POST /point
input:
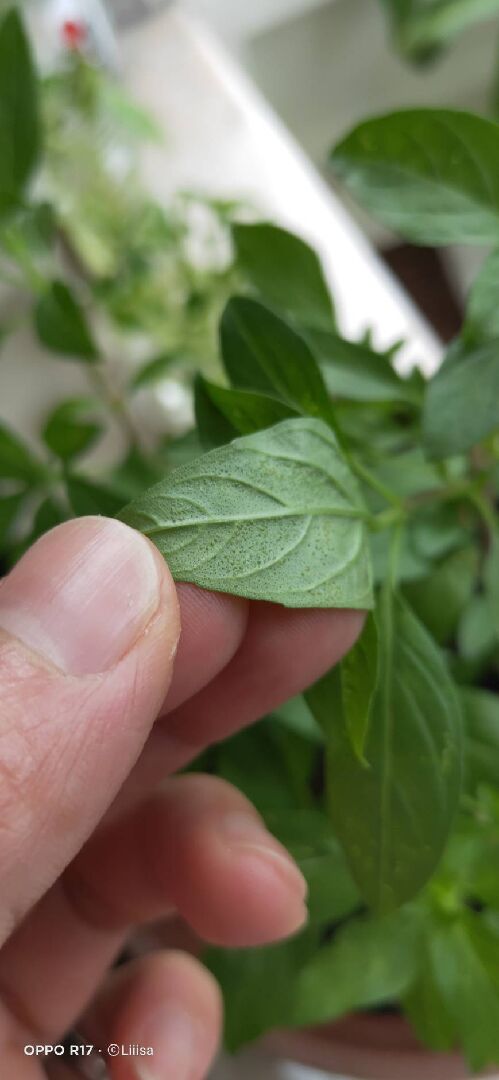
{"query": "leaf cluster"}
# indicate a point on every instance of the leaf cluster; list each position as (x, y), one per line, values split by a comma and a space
(405, 732)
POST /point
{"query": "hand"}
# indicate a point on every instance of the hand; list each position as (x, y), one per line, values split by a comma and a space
(97, 706)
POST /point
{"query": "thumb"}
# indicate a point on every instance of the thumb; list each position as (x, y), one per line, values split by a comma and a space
(89, 625)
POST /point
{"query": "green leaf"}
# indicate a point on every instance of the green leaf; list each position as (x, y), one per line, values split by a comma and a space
(462, 401)
(471, 864)
(135, 473)
(262, 352)
(359, 674)
(464, 954)
(427, 1012)
(91, 497)
(308, 836)
(369, 962)
(440, 598)
(436, 531)
(275, 515)
(481, 725)
(491, 579)
(393, 815)
(10, 506)
(70, 431)
(253, 762)
(223, 413)
(428, 25)
(212, 425)
(482, 313)
(48, 515)
(153, 371)
(476, 634)
(285, 271)
(356, 372)
(324, 700)
(19, 127)
(61, 324)
(412, 566)
(16, 459)
(258, 985)
(430, 174)
(296, 715)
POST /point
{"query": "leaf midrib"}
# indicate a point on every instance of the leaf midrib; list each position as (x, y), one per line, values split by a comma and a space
(275, 515)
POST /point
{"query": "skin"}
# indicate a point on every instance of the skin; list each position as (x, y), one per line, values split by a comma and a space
(111, 678)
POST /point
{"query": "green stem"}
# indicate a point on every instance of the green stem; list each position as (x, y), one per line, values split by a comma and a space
(387, 519)
(484, 508)
(114, 403)
(394, 557)
(376, 485)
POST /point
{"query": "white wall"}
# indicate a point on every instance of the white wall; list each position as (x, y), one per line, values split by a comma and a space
(237, 20)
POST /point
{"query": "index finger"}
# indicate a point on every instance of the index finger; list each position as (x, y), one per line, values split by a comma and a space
(279, 654)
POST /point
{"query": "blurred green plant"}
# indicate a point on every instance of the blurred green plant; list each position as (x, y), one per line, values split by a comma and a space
(422, 30)
(109, 279)
(422, 27)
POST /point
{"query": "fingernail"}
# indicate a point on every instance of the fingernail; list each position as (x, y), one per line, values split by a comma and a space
(244, 834)
(82, 595)
(172, 1035)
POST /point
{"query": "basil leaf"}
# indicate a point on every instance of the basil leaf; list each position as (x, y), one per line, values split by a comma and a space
(427, 1011)
(439, 598)
(70, 430)
(324, 700)
(92, 497)
(476, 635)
(295, 715)
(481, 724)
(308, 836)
(437, 531)
(19, 124)
(427, 26)
(464, 958)
(412, 566)
(253, 762)
(359, 674)
(491, 580)
(430, 174)
(462, 401)
(212, 425)
(369, 962)
(10, 506)
(223, 413)
(16, 459)
(482, 313)
(276, 515)
(356, 372)
(61, 324)
(394, 814)
(153, 371)
(258, 985)
(262, 352)
(135, 473)
(285, 271)
(48, 515)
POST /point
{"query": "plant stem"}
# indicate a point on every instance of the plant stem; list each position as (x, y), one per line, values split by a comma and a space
(393, 561)
(114, 402)
(376, 485)
(387, 519)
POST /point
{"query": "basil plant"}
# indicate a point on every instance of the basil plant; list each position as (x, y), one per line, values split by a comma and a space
(318, 476)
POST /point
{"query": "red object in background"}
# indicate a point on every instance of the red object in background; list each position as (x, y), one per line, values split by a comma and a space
(74, 33)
